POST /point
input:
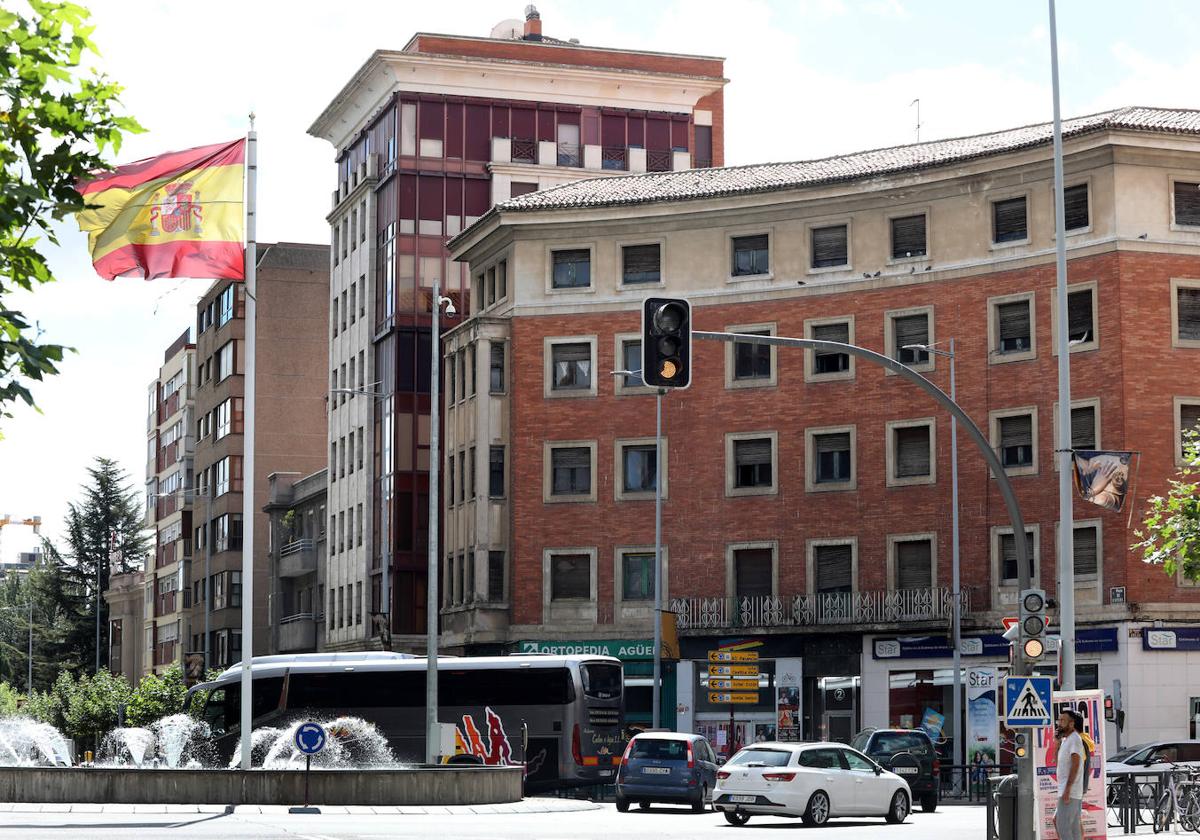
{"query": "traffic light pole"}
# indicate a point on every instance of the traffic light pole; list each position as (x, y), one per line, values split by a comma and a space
(658, 473)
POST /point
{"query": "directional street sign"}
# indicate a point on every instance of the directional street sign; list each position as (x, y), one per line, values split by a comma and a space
(733, 656)
(733, 670)
(733, 684)
(1027, 701)
(310, 738)
(732, 697)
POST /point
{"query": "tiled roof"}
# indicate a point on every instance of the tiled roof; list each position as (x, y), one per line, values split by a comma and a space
(768, 177)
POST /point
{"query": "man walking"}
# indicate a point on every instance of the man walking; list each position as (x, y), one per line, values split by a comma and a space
(1069, 769)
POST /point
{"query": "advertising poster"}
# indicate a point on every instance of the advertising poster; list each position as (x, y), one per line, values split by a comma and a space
(932, 722)
(1090, 704)
(787, 699)
(983, 726)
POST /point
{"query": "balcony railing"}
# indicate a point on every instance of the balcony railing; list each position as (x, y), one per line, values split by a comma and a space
(570, 154)
(614, 157)
(878, 607)
(658, 160)
(297, 558)
(297, 633)
(524, 151)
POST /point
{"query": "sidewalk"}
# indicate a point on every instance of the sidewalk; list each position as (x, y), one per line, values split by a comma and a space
(527, 806)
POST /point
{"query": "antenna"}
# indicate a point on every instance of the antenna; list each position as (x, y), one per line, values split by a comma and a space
(917, 102)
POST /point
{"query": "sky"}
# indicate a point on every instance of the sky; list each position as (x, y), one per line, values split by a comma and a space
(808, 79)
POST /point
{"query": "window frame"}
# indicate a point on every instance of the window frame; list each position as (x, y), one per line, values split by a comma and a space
(620, 494)
(995, 357)
(637, 606)
(994, 418)
(1085, 582)
(731, 235)
(893, 567)
(1177, 410)
(731, 550)
(1009, 586)
(892, 452)
(810, 356)
(1009, 195)
(574, 610)
(820, 224)
(590, 288)
(810, 561)
(1083, 402)
(1083, 182)
(622, 244)
(1172, 179)
(548, 494)
(548, 389)
(1093, 343)
(731, 488)
(620, 389)
(731, 380)
(1178, 283)
(889, 336)
(810, 461)
(925, 211)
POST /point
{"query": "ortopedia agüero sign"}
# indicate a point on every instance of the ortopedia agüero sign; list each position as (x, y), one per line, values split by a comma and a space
(620, 648)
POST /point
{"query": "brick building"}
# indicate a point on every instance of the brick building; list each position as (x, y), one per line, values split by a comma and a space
(427, 138)
(807, 505)
(290, 355)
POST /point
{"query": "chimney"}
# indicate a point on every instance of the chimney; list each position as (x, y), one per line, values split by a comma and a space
(533, 24)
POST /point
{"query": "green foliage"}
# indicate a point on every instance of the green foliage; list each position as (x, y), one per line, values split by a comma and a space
(1170, 532)
(156, 696)
(196, 708)
(56, 122)
(10, 700)
(92, 706)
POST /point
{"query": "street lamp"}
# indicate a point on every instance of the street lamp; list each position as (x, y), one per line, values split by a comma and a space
(955, 600)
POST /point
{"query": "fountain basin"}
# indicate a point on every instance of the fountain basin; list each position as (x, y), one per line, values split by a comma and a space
(417, 785)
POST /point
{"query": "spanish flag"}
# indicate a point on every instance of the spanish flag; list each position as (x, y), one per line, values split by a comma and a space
(175, 215)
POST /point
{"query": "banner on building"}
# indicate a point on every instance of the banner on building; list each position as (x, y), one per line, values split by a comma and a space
(1102, 477)
(983, 723)
(1090, 704)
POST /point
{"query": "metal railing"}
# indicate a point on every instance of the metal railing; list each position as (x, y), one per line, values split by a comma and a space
(872, 607)
(967, 782)
(524, 151)
(294, 546)
(614, 157)
(658, 160)
(570, 154)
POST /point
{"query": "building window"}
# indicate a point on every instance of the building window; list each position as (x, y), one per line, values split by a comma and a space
(570, 577)
(638, 465)
(450, 497)
(752, 463)
(496, 368)
(913, 559)
(908, 329)
(833, 568)
(830, 364)
(358, 602)
(1187, 418)
(1011, 328)
(572, 269)
(1087, 551)
(225, 304)
(910, 452)
(501, 280)
(496, 472)
(225, 361)
(571, 365)
(1009, 222)
(520, 188)
(1185, 304)
(1187, 203)
(490, 286)
(830, 455)
(1008, 557)
(753, 575)
(571, 470)
(908, 237)
(637, 576)
(641, 264)
(1014, 434)
(1075, 203)
(1083, 427)
(1081, 318)
(495, 591)
(751, 255)
(631, 358)
(750, 364)
(830, 246)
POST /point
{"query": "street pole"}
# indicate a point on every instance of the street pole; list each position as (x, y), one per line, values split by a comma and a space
(207, 578)
(658, 474)
(955, 593)
(248, 512)
(1066, 465)
(29, 654)
(431, 588)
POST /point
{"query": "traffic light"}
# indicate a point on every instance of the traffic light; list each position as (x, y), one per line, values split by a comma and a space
(1032, 621)
(1110, 711)
(666, 342)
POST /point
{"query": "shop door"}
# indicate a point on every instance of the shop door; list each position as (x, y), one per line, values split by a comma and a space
(838, 726)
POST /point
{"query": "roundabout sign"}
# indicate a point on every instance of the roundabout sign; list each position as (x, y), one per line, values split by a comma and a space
(310, 738)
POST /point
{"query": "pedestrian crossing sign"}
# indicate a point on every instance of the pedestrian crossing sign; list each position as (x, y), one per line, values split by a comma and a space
(1027, 701)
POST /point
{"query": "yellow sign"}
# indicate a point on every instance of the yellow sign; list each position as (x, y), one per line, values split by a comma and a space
(733, 670)
(732, 697)
(733, 656)
(725, 684)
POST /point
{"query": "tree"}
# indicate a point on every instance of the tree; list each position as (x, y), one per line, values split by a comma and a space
(44, 585)
(93, 707)
(157, 696)
(9, 700)
(55, 124)
(1170, 533)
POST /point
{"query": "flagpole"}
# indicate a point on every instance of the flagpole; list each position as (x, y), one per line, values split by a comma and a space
(251, 265)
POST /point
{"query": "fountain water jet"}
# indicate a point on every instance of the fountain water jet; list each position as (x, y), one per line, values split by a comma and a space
(26, 742)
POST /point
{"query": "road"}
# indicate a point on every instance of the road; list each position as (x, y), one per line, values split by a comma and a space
(533, 822)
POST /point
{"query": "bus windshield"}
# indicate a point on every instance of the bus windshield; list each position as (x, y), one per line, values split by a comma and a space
(601, 681)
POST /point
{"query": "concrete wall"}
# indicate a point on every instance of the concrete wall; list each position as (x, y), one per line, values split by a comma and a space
(418, 786)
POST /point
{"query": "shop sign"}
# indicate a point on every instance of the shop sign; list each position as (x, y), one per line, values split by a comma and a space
(1178, 638)
(1090, 640)
(620, 648)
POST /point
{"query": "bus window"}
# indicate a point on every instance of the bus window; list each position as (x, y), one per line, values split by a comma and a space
(601, 681)
(214, 711)
(227, 714)
(505, 687)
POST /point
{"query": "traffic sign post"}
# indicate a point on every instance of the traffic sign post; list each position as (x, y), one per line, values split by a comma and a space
(733, 679)
(310, 739)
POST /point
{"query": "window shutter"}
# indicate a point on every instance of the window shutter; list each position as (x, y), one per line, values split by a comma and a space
(572, 352)
(1086, 551)
(642, 264)
(1009, 220)
(1008, 557)
(1083, 427)
(1016, 431)
(1079, 315)
(752, 452)
(829, 246)
(752, 568)
(1188, 304)
(912, 451)
(1075, 203)
(833, 568)
(914, 564)
(1014, 323)
(572, 457)
(832, 332)
(839, 442)
(1187, 203)
(910, 329)
(908, 237)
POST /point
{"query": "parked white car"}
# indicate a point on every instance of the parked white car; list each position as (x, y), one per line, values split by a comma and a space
(811, 781)
(1154, 757)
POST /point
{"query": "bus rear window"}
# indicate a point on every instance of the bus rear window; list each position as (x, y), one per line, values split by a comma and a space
(601, 681)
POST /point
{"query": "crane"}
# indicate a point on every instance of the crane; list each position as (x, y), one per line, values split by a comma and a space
(34, 522)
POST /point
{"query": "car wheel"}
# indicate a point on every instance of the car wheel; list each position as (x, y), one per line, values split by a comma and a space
(817, 812)
(699, 804)
(929, 802)
(736, 817)
(898, 810)
(643, 806)
(622, 804)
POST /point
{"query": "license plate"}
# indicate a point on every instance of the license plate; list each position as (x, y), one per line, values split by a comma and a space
(744, 800)
(662, 771)
(606, 772)
(907, 771)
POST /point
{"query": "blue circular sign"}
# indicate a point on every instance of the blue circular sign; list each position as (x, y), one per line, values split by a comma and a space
(310, 738)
